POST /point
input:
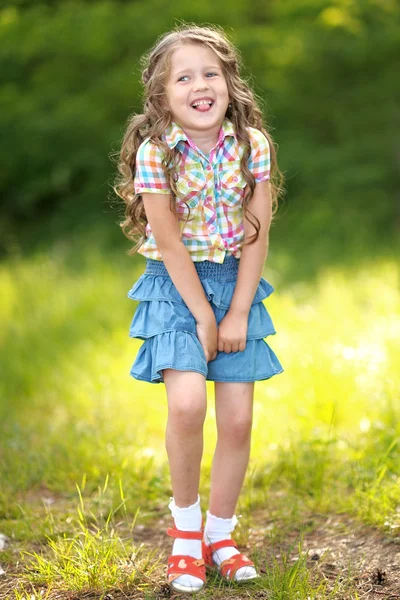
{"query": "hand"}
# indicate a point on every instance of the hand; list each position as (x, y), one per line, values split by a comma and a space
(207, 332)
(232, 332)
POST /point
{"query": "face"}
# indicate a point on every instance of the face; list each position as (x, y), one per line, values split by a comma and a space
(197, 93)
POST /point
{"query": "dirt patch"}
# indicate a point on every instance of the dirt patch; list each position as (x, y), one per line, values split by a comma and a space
(348, 556)
(340, 548)
(336, 548)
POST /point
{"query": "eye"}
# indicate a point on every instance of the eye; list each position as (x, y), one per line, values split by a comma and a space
(211, 74)
(184, 77)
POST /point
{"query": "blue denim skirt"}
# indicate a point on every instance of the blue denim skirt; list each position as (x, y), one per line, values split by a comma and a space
(168, 328)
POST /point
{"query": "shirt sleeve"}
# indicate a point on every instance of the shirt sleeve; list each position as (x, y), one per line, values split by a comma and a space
(259, 161)
(149, 175)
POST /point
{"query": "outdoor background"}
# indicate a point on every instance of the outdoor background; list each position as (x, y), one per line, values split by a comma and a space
(79, 436)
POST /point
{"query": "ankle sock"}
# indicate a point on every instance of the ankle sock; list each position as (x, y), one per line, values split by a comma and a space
(187, 519)
(217, 529)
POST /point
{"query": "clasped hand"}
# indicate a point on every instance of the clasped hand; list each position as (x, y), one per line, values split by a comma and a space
(229, 336)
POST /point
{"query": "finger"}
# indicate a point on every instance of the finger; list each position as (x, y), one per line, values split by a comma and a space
(206, 353)
(242, 346)
(211, 355)
(228, 348)
(235, 347)
(220, 346)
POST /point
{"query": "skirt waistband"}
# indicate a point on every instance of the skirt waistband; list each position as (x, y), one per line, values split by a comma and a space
(226, 271)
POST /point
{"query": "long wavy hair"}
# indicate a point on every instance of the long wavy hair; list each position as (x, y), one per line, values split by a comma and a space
(243, 112)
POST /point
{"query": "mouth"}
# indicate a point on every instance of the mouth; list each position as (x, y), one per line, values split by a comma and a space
(203, 104)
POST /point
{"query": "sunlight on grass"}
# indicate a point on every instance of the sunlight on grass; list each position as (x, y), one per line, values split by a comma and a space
(325, 431)
(92, 557)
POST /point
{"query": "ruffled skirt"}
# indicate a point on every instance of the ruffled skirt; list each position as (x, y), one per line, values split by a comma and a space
(168, 328)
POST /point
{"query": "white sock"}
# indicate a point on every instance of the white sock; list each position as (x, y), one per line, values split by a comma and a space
(187, 519)
(217, 529)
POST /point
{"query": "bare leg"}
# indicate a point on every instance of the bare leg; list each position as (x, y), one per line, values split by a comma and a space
(187, 406)
(234, 410)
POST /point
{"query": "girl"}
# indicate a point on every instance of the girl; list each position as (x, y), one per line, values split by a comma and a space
(195, 177)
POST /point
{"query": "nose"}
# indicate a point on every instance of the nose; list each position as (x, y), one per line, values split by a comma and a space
(200, 85)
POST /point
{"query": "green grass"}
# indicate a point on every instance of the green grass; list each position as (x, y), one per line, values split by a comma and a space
(92, 557)
(326, 434)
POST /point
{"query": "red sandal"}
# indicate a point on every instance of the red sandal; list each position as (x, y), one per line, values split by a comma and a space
(180, 564)
(230, 566)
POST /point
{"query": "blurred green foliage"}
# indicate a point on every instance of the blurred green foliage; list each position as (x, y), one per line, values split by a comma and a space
(326, 71)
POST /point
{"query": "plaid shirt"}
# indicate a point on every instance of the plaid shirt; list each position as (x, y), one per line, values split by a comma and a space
(212, 185)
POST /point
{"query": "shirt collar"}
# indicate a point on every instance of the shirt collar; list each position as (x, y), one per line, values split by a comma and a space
(174, 133)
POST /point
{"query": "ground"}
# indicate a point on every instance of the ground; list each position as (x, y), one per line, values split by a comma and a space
(354, 560)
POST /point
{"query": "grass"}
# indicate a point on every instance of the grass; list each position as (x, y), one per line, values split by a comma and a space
(92, 557)
(326, 436)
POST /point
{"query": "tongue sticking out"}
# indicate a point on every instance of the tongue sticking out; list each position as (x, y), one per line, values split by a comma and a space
(203, 107)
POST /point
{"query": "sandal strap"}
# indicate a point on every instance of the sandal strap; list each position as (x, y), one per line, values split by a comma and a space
(207, 554)
(234, 564)
(186, 535)
(208, 550)
(223, 544)
(181, 564)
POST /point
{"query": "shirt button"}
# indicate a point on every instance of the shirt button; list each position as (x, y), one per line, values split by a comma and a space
(209, 198)
(208, 167)
(212, 228)
(234, 178)
(189, 183)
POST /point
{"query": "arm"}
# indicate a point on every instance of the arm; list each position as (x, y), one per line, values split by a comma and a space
(253, 256)
(151, 183)
(166, 230)
(232, 331)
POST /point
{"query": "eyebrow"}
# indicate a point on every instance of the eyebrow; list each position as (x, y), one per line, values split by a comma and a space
(189, 70)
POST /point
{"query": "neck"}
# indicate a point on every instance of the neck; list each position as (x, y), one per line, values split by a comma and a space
(204, 140)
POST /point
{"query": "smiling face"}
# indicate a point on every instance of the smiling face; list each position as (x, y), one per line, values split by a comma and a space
(197, 92)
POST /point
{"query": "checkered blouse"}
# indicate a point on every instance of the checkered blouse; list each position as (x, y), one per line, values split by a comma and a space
(212, 185)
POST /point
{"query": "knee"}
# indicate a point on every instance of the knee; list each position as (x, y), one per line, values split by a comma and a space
(236, 431)
(188, 414)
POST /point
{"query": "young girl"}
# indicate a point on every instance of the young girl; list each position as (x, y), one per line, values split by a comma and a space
(195, 177)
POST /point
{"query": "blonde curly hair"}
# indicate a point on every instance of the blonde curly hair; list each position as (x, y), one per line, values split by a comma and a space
(243, 112)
